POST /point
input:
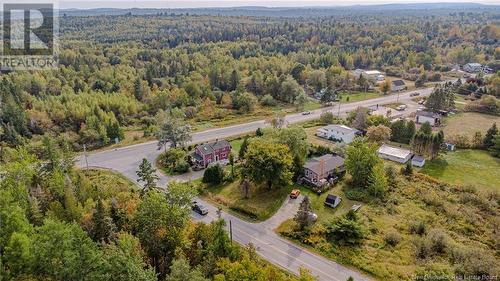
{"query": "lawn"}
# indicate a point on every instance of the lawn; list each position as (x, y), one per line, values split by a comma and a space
(260, 205)
(468, 123)
(360, 96)
(466, 167)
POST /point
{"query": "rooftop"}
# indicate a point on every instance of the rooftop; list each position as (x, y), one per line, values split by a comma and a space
(418, 158)
(398, 82)
(209, 147)
(427, 114)
(372, 72)
(340, 128)
(325, 163)
(394, 151)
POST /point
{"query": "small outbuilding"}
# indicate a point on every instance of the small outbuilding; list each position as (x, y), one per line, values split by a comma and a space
(418, 161)
(426, 116)
(332, 200)
(398, 85)
(395, 154)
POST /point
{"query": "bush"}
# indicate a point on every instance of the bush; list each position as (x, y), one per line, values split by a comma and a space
(213, 175)
(422, 248)
(268, 100)
(327, 118)
(182, 167)
(418, 227)
(392, 238)
(438, 241)
(345, 230)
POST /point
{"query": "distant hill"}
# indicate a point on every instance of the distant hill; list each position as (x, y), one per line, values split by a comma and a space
(400, 9)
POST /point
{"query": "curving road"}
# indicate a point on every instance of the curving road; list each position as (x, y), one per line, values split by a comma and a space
(269, 245)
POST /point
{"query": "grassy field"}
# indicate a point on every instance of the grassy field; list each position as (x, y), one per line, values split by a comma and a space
(466, 218)
(360, 96)
(260, 205)
(466, 167)
(113, 181)
(468, 123)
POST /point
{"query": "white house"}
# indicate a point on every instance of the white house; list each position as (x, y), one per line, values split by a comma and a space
(339, 133)
(398, 85)
(426, 116)
(395, 154)
(418, 161)
(370, 74)
(473, 67)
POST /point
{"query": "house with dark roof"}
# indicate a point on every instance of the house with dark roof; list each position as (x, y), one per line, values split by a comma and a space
(398, 85)
(212, 152)
(319, 170)
(426, 116)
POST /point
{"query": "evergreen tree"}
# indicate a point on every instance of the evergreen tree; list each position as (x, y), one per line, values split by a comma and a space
(495, 148)
(303, 216)
(103, 227)
(147, 174)
(243, 148)
(490, 135)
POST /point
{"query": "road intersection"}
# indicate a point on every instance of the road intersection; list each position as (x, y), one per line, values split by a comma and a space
(269, 245)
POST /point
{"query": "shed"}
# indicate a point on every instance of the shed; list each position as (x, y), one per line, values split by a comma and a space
(332, 200)
(418, 161)
(395, 154)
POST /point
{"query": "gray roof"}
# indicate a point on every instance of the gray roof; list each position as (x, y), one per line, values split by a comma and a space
(394, 151)
(324, 163)
(340, 128)
(209, 147)
(428, 114)
(398, 83)
(418, 158)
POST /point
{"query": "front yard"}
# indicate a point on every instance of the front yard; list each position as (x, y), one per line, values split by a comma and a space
(260, 205)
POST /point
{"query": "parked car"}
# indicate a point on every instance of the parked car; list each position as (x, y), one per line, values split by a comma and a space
(401, 107)
(414, 94)
(306, 112)
(294, 194)
(421, 101)
(198, 208)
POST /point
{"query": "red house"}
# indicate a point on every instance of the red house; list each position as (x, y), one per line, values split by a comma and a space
(217, 151)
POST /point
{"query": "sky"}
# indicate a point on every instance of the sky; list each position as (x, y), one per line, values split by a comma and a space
(232, 3)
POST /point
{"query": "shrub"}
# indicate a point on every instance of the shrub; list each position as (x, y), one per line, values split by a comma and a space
(438, 241)
(213, 175)
(268, 100)
(182, 167)
(418, 227)
(327, 118)
(392, 238)
(422, 248)
(345, 230)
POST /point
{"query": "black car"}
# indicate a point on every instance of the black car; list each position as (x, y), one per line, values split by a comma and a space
(198, 208)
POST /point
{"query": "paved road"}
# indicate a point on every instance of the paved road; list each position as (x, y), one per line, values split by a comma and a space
(268, 244)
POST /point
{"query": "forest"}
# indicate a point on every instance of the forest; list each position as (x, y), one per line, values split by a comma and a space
(117, 73)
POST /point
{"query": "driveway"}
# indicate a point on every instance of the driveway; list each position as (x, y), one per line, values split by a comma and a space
(269, 245)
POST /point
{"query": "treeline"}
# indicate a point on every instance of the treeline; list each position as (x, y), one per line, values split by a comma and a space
(120, 71)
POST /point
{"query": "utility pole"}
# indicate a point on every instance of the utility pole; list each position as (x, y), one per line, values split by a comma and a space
(231, 230)
(85, 154)
(398, 97)
(338, 114)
